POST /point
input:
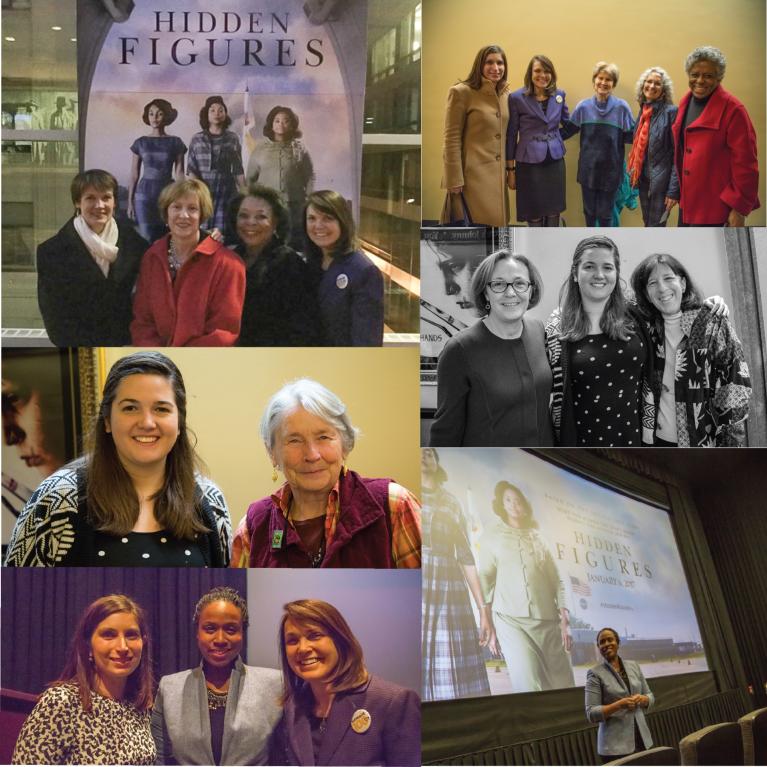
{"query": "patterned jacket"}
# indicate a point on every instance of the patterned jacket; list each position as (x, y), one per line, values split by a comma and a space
(52, 527)
(562, 416)
(712, 386)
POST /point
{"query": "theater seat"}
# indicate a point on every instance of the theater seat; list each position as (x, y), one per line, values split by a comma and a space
(714, 745)
(753, 729)
(662, 755)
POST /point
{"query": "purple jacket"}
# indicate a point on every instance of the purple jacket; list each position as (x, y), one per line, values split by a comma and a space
(393, 738)
(362, 537)
(531, 131)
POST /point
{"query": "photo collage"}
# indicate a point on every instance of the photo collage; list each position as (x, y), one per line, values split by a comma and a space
(360, 365)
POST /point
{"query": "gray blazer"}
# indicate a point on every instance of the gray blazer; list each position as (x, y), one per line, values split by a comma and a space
(604, 685)
(181, 724)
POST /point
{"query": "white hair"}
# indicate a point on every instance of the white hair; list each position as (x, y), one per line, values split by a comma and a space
(315, 399)
(707, 53)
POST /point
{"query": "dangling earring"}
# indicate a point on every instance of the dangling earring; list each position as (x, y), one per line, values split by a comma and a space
(487, 307)
(90, 657)
(274, 473)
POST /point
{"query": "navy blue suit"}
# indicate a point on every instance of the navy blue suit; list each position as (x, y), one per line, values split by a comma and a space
(351, 302)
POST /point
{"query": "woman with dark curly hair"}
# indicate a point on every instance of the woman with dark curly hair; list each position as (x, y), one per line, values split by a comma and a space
(280, 306)
(520, 580)
(215, 157)
(240, 703)
(136, 497)
(281, 161)
(701, 383)
(335, 711)
(98, 710)
(651, 161)
(162, 159)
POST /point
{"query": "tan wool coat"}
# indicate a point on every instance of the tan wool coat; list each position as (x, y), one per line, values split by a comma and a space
(474, 153)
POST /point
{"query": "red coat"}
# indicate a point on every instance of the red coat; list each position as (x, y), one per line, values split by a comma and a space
(719, 171)
(203, 307)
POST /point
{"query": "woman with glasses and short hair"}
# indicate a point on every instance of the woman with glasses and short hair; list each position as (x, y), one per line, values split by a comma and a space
(493, 380)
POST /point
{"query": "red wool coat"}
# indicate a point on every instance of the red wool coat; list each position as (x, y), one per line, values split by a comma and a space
(203, 307)
(718, 170)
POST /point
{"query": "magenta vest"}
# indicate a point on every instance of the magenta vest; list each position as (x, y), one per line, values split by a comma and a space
(362, 538)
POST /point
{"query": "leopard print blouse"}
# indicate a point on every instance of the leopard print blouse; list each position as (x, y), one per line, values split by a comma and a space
(58, 731)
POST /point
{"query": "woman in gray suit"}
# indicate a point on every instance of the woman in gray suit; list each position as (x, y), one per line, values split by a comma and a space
(617, 695)
(221, 712)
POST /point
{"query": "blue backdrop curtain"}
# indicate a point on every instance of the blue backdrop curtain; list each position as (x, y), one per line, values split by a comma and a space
(41, 607)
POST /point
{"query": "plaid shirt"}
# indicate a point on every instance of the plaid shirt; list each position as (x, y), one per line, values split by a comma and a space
(404, 513)
(210, 154)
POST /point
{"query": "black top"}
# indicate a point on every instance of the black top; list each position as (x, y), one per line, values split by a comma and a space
(217, 732)
(493, 391)
(159, 549)
(281, 307)
(606, 378)
(79, 305)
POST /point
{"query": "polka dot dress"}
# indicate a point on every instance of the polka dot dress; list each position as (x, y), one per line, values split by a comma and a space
(158, 549)
(606, 378)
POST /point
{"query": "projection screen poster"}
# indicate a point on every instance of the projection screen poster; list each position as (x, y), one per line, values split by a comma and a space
(555, 555)
(305, 56)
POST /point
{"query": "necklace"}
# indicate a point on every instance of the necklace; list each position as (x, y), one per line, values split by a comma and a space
(173, 262)
(216, 699)
(316, 558)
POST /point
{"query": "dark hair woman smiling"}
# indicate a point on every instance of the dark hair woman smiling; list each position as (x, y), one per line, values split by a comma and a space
(241, 702)
(97, 712)
(136, 497)
(331, 699)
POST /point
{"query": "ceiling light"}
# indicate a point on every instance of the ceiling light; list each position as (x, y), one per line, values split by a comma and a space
(73, 39)
(56, 29)
(10, 39)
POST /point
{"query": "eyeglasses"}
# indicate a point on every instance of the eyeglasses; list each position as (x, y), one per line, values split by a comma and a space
(501, 286)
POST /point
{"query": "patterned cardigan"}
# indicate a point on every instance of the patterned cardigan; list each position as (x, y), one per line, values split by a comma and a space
(562, 415)
(48, 526)
(712, 386)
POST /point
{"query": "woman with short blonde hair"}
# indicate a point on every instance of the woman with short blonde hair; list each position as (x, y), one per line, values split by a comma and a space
(191, 288)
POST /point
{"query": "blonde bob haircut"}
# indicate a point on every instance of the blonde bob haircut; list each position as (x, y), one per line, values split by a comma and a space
(179, 189)
(350, 671)
(603, 66)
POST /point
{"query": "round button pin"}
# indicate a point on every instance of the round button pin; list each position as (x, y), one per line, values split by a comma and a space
(342, 281)
(361, 721)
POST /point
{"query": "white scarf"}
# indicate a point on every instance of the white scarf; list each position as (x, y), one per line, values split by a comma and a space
(103, 247)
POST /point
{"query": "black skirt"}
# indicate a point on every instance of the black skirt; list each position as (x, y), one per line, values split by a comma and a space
(540, 189)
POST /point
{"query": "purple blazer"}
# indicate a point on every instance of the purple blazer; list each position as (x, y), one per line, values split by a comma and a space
(393, 737)
(531, 132)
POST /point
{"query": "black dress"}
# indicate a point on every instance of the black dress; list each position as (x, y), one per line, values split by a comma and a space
(280, 307)
(606, 377)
